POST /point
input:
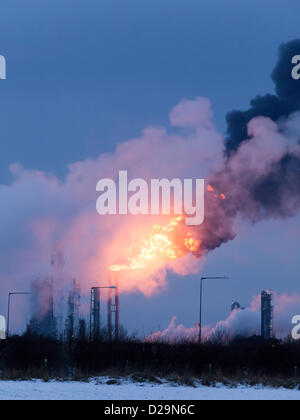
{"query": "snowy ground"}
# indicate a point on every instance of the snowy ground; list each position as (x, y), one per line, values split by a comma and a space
(99, 390)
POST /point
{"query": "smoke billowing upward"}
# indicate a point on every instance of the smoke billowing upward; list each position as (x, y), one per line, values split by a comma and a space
(282, 180)
(260, 175)
(240, 323)
(255, 175)
(274, 107)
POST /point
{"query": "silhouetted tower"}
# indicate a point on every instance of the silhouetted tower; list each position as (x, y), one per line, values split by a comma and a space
(117, 313)
(82, 329)
(72, 322)
(113, 309)
(266, 315)
(95, 313)
(42, 319)
(58, 264)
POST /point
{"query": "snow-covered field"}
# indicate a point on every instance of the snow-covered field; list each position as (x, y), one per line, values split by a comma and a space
(99, 390)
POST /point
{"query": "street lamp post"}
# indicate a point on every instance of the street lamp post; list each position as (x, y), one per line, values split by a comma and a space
(92, 290)
(8, 308)
(201, 295)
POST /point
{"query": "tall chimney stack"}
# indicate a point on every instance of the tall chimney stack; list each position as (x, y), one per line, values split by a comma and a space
(266, 314)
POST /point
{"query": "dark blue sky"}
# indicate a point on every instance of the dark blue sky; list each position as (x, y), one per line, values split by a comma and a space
(84, 75)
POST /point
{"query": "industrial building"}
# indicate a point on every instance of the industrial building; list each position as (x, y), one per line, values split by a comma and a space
(113, 311)
(48, 306)
(49, 310)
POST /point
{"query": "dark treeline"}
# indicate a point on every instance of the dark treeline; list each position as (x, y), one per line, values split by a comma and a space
(252, 356)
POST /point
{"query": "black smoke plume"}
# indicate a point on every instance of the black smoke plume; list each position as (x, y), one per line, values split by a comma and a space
(284, 103)
(261, 172)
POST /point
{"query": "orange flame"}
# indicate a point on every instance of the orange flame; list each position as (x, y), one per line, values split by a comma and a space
(162, 243)
(165, 243)
(212, 190)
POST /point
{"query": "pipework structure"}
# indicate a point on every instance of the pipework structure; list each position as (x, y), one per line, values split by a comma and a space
(113, 310)
(95, 313)
(95, 306)
(72, 321)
